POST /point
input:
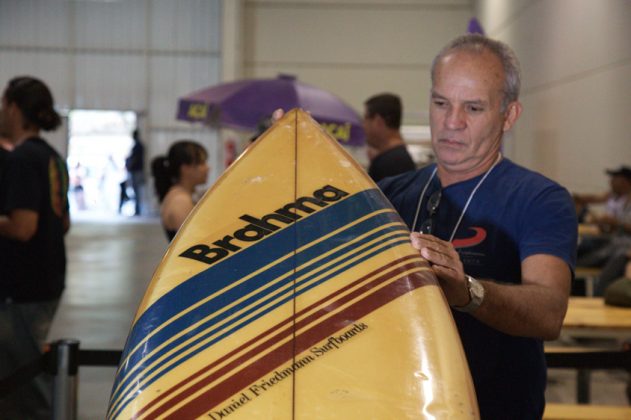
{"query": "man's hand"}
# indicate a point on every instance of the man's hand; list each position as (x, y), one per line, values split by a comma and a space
(277, 115)
(534, 308)
(446, 264)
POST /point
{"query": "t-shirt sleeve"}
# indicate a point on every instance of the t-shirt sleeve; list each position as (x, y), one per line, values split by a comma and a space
(20, 187)
(385, 184)
(550, 226)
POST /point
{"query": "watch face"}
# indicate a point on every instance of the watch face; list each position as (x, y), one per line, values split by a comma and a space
(476, 293)
(477, 290)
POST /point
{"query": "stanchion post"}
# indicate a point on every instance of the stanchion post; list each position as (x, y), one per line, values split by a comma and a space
(65, 383)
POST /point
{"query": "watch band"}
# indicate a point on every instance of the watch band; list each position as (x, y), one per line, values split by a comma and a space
(476, 295)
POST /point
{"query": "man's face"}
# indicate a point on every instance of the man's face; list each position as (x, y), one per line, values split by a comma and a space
(620, 185)
(466, 120)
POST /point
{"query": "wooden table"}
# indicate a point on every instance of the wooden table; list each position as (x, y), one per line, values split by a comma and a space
(590, 317)
(585, 412)
(587, 229)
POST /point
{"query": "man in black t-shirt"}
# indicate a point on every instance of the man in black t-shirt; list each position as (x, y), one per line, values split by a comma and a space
(388, 153)
(36, 181)
(33, 221)
(3, 155)
(5, 147)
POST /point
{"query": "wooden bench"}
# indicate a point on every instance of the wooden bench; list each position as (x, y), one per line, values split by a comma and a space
(595, 357)
(551, 348)
(555, 411)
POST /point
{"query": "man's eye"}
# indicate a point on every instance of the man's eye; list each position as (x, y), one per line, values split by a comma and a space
(474, 108)
(440, 103)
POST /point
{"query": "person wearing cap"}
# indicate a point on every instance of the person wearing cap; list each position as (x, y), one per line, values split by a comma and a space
(617, 203)
(608, 251)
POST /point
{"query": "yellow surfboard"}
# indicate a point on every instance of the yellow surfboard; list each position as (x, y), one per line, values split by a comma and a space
(292, 292)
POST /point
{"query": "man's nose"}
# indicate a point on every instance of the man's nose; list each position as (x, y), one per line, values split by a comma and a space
(456, 119)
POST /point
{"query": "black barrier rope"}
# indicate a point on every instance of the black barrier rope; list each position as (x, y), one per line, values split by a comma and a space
(99, 357)
(47, 363)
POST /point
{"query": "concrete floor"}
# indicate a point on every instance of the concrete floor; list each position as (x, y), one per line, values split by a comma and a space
(110, 263)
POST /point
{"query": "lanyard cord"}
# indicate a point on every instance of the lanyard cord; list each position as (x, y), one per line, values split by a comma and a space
(420, 199)
(466, 206)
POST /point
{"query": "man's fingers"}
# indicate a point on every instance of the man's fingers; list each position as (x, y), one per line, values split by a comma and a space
(436, 256)
(278, 114)
(420, 240)
(446, 273)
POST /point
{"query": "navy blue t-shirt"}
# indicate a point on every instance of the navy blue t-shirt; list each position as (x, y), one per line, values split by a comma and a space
(514, 214)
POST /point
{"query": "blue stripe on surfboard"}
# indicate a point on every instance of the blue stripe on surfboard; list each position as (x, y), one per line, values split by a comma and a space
(260, 281)
(246, 261)
(403, 238)
(230, 270)
(138, 377)
(253, 258)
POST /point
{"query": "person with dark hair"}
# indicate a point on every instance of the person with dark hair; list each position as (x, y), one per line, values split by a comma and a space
(387, 151)
(33, 221)
(175, 177)
(500, 238)
(135, 165)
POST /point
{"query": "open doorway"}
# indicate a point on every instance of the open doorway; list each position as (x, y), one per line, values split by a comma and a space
(98, 143)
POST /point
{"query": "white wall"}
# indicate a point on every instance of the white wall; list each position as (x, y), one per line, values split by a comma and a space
(138, 55)
(143, 54)
(355, 48)
(576, 64)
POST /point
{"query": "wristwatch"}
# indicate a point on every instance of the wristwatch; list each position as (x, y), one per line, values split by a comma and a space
(476, 295)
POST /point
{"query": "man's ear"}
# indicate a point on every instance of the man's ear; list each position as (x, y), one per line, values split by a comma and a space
(381, 123)
(12, 115)
(511, 115)
(10, 109)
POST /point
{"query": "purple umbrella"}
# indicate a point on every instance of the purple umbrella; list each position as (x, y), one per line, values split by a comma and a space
(245, 103)
(474, 27)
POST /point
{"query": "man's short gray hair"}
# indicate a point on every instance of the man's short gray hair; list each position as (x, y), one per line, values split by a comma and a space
(478, 43)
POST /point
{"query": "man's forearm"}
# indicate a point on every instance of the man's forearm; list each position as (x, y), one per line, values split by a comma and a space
(20, 225)
(529, 310)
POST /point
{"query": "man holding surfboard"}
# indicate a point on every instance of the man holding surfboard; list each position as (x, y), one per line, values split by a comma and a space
(500, 238)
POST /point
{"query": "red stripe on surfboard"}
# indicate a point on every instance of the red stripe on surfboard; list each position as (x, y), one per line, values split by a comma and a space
(282, 334)
(200, 405)
(286, 352)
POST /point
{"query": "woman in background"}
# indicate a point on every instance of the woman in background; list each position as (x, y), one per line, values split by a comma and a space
(176, 176)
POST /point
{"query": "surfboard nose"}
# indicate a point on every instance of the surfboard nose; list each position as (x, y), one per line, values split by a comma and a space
(292, 291)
